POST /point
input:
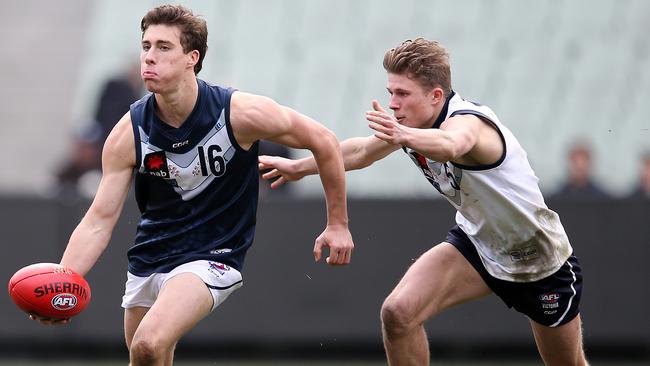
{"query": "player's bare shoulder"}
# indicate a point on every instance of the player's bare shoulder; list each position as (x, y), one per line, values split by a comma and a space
(119, 147)
(254, 117)
(485, 146)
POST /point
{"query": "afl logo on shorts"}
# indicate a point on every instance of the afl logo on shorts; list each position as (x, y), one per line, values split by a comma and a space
(550, 298)
(64, 301)
(550, 302)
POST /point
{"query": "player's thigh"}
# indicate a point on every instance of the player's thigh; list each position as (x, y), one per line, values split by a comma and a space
(182, 302)
(561, 345)
(439, 279)
(132, 318)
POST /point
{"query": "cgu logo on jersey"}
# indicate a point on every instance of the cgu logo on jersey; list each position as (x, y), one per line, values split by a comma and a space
(155, 164)
(64, 301)
(179, 144)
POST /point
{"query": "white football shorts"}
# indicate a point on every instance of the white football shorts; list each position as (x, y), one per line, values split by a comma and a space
(221, 280)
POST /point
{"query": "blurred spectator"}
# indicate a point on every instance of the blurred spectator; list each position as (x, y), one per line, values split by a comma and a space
(116, 96)
(271, 148)
(580, 184)
(642, 190)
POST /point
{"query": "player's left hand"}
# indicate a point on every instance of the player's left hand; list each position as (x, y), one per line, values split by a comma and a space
(339, 241)
(386, 126)
(48, 321)
(282, 170)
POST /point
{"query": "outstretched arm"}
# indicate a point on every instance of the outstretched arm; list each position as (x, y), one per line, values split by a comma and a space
(255, 117)
(91, 236)
(93, 233)
(465, 139)
(358, 153)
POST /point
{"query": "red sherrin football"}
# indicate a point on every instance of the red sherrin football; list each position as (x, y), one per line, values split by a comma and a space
(49, 290)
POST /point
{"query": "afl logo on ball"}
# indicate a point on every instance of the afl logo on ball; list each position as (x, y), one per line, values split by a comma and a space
(64, 301)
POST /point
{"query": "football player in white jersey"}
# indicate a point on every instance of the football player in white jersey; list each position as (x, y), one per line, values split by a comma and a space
(506, 240)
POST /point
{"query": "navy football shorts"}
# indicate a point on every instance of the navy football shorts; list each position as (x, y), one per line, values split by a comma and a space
(551, 301)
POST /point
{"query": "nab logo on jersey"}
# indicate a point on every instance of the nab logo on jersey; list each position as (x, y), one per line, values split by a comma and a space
(155, 163)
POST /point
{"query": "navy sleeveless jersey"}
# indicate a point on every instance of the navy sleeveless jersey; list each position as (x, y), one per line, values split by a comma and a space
(196, 188)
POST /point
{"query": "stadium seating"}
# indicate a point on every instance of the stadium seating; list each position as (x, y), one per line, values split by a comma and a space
(553, 71)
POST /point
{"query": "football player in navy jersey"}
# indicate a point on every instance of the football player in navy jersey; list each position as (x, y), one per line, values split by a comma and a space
(193, 147)
(506, 240)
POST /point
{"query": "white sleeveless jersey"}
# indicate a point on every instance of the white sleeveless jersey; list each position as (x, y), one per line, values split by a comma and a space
(500, 206)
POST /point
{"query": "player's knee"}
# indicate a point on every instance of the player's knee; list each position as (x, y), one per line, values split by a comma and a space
(397, 317)
(145, 352)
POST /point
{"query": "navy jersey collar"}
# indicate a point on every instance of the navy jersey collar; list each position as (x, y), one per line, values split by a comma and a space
(443, 113)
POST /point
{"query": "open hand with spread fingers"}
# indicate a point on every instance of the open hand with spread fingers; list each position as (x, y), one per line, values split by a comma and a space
(281, 170)
(386, 126)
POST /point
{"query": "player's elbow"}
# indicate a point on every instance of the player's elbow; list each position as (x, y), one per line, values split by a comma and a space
(326, 143)
(362, 152)
(330, 139)
(100, 214)
(445, 152)
(100, 220)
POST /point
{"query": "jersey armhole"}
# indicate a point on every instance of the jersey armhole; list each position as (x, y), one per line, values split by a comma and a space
(136, 139)
(486, 119)
(226, 111)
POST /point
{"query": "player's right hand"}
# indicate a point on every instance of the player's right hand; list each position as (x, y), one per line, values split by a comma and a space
(282, 170)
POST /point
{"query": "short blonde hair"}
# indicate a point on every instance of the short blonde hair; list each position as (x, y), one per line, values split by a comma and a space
(425, 61)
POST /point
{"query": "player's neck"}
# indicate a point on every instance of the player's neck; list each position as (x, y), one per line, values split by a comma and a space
(438, 109)
(175, 106)
(434, 117)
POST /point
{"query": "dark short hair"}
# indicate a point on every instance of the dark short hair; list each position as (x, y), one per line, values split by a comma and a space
(194, 30)
(425, 61)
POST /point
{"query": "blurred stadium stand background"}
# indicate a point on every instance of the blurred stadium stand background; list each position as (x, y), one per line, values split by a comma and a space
(554, 71)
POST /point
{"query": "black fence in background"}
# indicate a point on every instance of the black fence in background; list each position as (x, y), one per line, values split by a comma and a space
(291, 306)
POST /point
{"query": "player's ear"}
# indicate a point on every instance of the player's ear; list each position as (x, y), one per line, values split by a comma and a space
(437, 95)
(193, 58)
